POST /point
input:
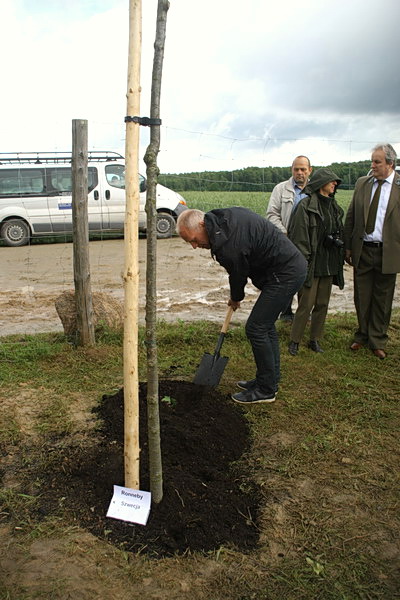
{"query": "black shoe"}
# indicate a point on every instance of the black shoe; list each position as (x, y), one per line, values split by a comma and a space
(293, 348)
(253, 396)
(247, 385)
(250, 385)
(314, 346)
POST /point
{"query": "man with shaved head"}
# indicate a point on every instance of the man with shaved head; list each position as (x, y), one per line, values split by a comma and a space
(284, 197)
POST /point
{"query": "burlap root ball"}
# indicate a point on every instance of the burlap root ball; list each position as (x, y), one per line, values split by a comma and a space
(107, 312)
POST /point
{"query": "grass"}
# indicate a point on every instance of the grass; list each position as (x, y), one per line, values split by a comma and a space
(256, 201)
(46, 360)
(326, 456)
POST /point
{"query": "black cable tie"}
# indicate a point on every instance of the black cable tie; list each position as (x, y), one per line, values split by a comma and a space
(146, 121)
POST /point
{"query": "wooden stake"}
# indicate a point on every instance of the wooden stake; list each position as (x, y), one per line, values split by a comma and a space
(79, 178)
(131, 272)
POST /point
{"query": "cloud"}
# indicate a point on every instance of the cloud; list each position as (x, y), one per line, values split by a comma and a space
(314, 73)
(242, 83)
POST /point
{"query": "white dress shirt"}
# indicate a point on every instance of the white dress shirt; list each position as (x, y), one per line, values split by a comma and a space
(376, 235)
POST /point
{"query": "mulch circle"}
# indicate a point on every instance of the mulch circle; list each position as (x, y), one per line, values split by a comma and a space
(209, 499)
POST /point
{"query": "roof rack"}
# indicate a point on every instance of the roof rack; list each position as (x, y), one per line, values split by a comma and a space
(38, 158)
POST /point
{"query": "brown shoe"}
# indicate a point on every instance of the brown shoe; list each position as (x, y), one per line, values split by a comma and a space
(379, 353)
(355, 346)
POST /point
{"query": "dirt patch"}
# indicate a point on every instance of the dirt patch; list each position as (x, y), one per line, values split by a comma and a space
(208, 500)
(190, 285)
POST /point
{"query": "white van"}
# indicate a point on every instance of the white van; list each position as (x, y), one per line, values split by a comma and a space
(36, 196)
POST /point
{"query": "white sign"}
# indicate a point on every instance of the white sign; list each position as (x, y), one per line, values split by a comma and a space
(130, 505)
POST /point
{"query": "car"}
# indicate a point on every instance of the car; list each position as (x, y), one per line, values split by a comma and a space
(36, 196)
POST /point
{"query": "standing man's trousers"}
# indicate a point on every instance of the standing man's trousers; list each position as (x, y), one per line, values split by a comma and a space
(373, 298)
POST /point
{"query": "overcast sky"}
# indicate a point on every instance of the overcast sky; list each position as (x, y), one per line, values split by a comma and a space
(245, 83)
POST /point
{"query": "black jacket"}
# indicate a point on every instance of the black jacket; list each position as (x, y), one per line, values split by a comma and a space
(249, 246)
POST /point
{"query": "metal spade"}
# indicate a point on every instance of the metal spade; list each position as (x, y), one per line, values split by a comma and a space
(212, 366)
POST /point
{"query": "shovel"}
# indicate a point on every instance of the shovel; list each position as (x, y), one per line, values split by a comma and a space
(212, 365)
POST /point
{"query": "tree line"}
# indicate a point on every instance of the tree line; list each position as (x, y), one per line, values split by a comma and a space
(251, 179)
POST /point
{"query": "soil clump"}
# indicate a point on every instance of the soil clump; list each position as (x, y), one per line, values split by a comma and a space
(209, 498)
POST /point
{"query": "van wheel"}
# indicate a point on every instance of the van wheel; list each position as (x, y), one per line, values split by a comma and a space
(165, 225)
(15, 232)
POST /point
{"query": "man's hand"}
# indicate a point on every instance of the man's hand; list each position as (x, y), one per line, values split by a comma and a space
(347, 257)
(235, 305)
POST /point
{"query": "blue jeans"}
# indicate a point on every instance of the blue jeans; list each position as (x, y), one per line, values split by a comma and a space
(261, 331)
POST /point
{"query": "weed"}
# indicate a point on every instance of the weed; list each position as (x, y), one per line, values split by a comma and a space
(169, 401)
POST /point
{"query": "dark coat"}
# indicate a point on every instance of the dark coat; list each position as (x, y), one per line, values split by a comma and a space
(308, 232)
(250, 247)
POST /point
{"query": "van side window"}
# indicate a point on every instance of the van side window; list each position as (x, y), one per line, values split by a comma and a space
(61, 179)
(93, 179)
(115, 175)
(21, 182)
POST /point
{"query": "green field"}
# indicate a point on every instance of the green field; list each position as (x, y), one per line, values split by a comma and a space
(256, 201)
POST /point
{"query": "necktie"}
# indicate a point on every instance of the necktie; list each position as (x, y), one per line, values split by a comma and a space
(373, 208)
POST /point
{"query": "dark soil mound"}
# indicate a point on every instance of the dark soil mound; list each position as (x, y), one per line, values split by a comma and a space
(208, 500)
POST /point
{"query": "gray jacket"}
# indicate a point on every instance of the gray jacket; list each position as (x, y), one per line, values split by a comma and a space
(281, 204)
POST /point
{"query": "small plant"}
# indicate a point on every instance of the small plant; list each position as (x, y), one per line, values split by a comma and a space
(316, 566)
(169, 401)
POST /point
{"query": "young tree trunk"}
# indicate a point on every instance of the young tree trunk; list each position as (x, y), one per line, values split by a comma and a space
(131, 269)
(153, 416)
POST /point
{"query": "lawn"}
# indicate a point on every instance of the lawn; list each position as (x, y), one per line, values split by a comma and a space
(325, 456)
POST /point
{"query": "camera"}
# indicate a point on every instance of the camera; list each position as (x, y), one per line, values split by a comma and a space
(334, 240)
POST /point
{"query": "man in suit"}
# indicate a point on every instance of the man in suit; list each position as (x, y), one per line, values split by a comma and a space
(372, 239)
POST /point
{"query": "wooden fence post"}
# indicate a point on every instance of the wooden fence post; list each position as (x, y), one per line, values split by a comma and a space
(83, 291)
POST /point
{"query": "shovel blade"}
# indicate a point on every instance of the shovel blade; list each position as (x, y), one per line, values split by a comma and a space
(210, 370)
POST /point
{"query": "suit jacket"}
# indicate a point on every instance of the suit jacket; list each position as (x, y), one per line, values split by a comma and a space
(356, 219)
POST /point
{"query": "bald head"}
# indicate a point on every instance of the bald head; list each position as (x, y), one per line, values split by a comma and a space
(191, 228)
(301, 170)
(189, 219)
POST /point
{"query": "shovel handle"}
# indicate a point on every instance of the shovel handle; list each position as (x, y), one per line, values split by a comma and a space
(228, 318)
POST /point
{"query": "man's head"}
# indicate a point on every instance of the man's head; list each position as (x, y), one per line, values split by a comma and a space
(301, 170)
(383, 160)
(190, 226)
